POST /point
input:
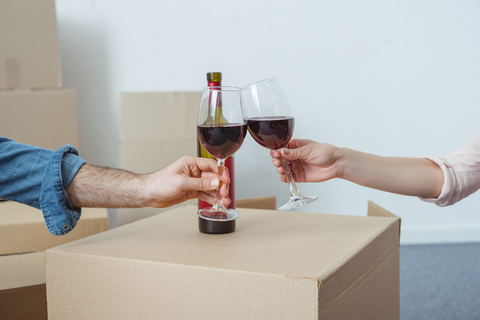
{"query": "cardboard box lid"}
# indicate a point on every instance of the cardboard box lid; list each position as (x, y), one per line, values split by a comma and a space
(158, 116)
(29, 53)
(129, 215)
(290, 244)
(47, 119)
(276, 265)
(23, 229)
(22, 270)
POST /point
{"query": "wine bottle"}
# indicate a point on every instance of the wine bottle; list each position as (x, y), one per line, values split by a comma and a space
(214, 79)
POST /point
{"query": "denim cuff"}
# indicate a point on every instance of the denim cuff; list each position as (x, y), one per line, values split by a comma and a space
(59, 214)
(71, 163)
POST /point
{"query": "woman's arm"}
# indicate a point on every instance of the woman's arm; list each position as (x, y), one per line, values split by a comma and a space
(315, 162)
(408, 176)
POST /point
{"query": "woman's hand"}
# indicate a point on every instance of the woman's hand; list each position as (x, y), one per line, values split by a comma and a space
(310, 161)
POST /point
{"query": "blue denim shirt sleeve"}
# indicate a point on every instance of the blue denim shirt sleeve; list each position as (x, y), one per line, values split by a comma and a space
(38, 177)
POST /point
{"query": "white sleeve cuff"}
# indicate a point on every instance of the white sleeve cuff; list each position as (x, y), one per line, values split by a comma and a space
(448, 184)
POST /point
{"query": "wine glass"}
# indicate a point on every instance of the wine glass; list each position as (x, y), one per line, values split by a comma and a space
(271, 122)
(221, 129)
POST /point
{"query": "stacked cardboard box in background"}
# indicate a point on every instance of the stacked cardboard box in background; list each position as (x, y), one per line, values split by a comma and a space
(33, 110)
(29, 55)
(156, 129)
(43, 118)
(33, 107)
(23, 241)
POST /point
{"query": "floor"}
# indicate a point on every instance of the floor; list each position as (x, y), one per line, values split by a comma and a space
(440, 282)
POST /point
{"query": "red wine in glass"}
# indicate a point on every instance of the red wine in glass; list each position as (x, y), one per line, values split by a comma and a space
(271, 132)
(222, 140)
(270, 121)
(221, 129)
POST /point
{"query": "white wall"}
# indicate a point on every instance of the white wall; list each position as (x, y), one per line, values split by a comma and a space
(395, 78)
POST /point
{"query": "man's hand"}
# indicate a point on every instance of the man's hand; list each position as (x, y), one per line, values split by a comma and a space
(187, 178)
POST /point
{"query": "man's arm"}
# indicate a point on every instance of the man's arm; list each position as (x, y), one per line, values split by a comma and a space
(187, 178)
(101, 187)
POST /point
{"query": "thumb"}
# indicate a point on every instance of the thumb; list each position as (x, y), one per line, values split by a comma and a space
(201, 184)
(294, 154)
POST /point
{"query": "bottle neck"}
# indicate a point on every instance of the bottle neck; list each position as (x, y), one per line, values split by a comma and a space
(215, 109)
(215, 100)
(214, 83)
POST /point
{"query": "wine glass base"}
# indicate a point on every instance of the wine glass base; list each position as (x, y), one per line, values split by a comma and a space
(297, 201)
(218, 214)
(215, 227)
(217, 221)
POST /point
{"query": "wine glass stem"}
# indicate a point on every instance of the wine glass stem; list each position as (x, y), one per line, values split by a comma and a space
(218, 204)
(288, 173)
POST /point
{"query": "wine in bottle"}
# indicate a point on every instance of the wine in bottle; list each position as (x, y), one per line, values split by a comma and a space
(214, 79)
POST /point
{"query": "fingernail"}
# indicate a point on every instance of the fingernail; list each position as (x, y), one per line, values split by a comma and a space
(215, 182)
(286, 151)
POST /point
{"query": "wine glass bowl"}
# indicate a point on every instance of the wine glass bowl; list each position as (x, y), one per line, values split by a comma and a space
(271, 132)
(221, 129)
(271, 122)
(222, 140)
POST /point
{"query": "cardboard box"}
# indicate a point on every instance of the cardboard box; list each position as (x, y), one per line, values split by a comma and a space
(156, 129)
(23, 229)
(266, 203)
(23, 241)
(129, 215)
(29, 52)
(159, 116)
(47, 119)
(23, 292)
(25, 303)
(151, 156)
(276, 265)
